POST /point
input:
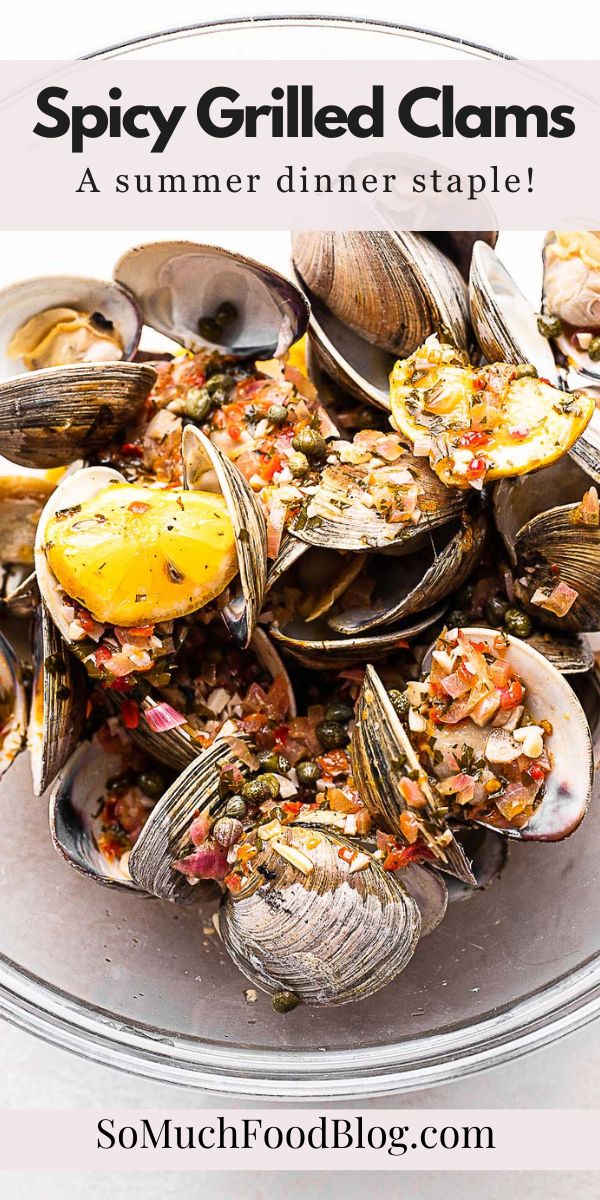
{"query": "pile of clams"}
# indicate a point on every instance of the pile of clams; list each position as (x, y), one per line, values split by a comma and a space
(309, 593)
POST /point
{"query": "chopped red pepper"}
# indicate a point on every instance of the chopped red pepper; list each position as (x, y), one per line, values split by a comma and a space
(476, 468)
(536, 772)
(130, 714)
(132, 450)
(474, 438)
(512, 695)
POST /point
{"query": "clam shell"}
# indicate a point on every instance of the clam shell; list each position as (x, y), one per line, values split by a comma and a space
(165, 836)
(177, 747)
(429, 890)
(199, 455)
(487, 852)
(550, 698)
(459, 246)
(52, 417)
(57, 703)
(541, 535)
(73, 804)
(11, 687)
(329, 937)
(408, 585)
(393, 289)
(29, 297)
(570, 655)
(504, 323)
(345, 531)
(22, 498)
(178, 283)
(315, 645)
(570, 291)
(360, 368)
(19, 592)
(289, 553)
(378, 742)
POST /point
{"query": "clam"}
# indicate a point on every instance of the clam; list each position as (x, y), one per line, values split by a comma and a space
(570, 655)
(551, 528)
(571, 293)
(392, 289)
(551, 705)
(406, 586)
(52, 417)
(13, 705)
(315, 644)
(199, 456)
(204, 296)
(57, 320)
(360, 368)
(165, 836)
(342, 513)
(328, 936)
(380, 751)
(58, 702)
(177, 746)
(74, 815)
(503, 321)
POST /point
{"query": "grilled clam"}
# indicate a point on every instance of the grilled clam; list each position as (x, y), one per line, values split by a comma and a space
(318, 931)
(53, 321)
(550, 523)
(58, 698)
(393, 289)
(204, 296)
(572, 301)
(13, 705)
(503, 734)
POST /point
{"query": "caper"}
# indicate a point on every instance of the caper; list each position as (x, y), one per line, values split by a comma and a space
(457, 618)
(594, 349)
(518, 622)
(257, 791)
(400, 702)
(526, 371)
(331, 735)
(277, 414)
(284, 1002)
(198, 403)
(209, 329)
(310, 442)
(549, 325)
(495, 609)
(338, 711)
(308, 772)
(236, 807)
(270, 760)
(298, 464)
(219, 383)
(54, 663)
(152, 783)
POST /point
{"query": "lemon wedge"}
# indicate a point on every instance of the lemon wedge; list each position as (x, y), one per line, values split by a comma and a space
(134, 555)
(479, 424)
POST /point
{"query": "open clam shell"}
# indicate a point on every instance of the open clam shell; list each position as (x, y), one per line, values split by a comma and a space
(538, 518)
(393, 289)
(329, 937)
(504, 323)
(74, 804)
(549, 697)
(181, 288)
(408, 585)
(379, 742)
(177, 747)
(199, 456)
(115, 310)
(13, 705)
(361, 368)
(570, 655)
(571, 291)
(165, 836)
(57, 703)
(52, 417)
(336, 519)
(316, 645)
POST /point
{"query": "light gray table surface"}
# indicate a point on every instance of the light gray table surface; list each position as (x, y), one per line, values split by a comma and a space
(565, 1075)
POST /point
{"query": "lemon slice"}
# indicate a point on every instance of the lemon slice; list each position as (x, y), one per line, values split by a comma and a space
(476, 425)
(138, 555)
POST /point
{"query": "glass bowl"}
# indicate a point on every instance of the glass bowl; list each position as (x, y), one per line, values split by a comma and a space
(144, 986)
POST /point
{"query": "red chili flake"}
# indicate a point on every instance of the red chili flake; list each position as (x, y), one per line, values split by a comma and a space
(132, 450)
(536, 772)
(478, 385)
(130, 714)
(544, 380)
(232, 882)
(511, 695)
(120, 685)
(138, 507)
(102, 655)
(280, 735)
(474, 438)
(476, 468)
(292, 807)
(86, 621)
